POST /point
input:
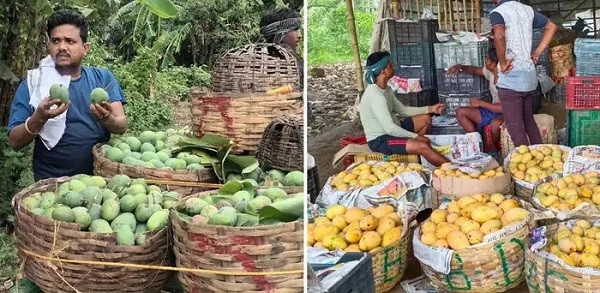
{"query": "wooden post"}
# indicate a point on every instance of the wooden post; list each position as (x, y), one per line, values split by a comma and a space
(418, 12)
(446, 14)
(473, 14)
(466, 18)
(439, 14)
(395, 8)
(478, 18)
(354, 39)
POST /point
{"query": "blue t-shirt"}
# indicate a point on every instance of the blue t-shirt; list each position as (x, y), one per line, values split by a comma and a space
(73, 153)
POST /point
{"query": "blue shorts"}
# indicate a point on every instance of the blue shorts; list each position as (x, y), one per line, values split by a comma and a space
(486, 118)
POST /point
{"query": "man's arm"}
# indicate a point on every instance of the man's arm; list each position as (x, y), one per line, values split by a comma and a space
(22, 134)
(111, 116)
(381, 111)
(542, 22)
(472, 70)
(500, 41)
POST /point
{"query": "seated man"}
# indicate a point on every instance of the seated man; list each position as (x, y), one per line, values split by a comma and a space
(379, 105)
(481, 113)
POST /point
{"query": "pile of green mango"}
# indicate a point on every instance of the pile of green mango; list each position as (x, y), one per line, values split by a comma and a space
(238, 204)
(151, 150)
(275, 177)
(128, 207)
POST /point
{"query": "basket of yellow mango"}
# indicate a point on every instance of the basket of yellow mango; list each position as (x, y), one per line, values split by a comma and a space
(381, 231)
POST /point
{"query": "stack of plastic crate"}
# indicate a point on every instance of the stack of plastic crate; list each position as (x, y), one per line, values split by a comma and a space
(583, 95)
(456, 91)
(411, 47)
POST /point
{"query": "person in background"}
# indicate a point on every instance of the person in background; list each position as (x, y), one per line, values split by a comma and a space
(64, 141)
(378, 109)
(512, 25)
(281, 26)
(481, 113)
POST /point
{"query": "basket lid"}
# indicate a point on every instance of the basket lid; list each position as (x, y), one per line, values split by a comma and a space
(255, 68)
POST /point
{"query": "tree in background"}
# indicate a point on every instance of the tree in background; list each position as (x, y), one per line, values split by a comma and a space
(328, 36)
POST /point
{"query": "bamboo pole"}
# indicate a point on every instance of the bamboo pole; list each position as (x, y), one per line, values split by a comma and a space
(473, 14)
(445, 14)
(354, 40)
(403, 4)
(455, 14)
(395, 8)
(418, 11)
(465, 17)
(439, 10)
(478, 18)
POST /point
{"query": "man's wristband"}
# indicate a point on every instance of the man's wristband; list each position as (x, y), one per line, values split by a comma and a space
(27, 128)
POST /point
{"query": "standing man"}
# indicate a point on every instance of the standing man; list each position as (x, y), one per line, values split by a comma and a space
(281, 26)
(513, 24)
(379, 107)
(64, 133)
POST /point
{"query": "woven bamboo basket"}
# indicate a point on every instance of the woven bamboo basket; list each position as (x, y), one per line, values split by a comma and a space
(43, 236)
(282, 144)
(389, 264)
(547, 276)
(255, 68)
(269, 248)
(523, 188)
(242, 117)
(495, 266)
(107, 168)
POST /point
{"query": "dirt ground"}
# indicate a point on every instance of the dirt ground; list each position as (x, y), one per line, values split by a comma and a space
(330, 125)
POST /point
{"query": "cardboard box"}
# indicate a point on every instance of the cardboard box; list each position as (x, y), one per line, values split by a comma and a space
(458, 187)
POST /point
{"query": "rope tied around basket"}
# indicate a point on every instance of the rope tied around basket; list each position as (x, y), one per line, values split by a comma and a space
(53, 254)
(165, 268)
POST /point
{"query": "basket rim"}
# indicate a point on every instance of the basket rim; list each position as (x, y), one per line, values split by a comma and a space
(177, 218)
(39, 187)
(101, 159)
(212, 94)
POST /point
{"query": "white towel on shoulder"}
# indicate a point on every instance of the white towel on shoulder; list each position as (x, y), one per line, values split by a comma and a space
(39, 81)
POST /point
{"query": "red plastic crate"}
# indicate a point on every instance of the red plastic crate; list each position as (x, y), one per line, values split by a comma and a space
(583, 93)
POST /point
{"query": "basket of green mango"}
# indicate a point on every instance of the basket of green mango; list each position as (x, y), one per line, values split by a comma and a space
(64, 226)
(240, 228)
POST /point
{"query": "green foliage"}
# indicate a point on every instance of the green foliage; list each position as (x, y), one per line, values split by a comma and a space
(15, 172)
(328, 35)
(175, 82)
(149, 92)
(9, 261)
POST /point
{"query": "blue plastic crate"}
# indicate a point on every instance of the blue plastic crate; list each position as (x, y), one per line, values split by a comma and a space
(587, 55)
(424, 73)
(418, 54)
(422, 31)
(359, 280)
(460, 83)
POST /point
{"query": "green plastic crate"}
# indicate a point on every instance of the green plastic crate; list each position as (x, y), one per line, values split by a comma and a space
(584, 127)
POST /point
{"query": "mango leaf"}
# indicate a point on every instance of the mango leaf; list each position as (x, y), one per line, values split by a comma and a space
(245, 220)
(287, 210)
(243, 164)
(270, 221)
(231, 187)
(162, 8)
